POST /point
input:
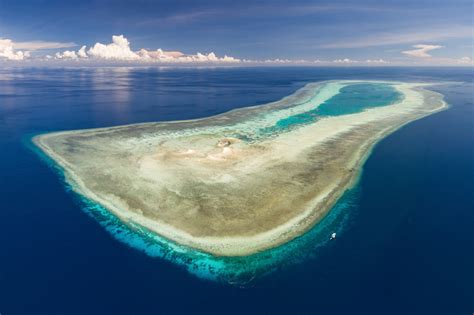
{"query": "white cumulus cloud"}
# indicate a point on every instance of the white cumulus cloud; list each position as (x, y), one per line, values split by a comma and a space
(8, 52)
(421, 51)
(70, 54)
(119, 49)
(81, 53)
(67, 54)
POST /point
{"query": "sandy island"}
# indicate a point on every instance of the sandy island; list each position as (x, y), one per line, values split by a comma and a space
(221, 184)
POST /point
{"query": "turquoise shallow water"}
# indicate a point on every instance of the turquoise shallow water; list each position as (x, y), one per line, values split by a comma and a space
(355, 98)
(233, 270)
(351, 99)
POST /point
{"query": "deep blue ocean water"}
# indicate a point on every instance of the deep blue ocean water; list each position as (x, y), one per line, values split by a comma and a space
(408, 247)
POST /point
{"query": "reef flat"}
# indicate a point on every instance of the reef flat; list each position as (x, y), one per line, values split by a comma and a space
(243, 181)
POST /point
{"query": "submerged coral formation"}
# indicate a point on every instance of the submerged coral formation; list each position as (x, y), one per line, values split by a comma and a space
(243, 181)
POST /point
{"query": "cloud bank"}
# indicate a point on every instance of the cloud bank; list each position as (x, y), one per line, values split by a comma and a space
(16, 51)
(345, 61)
(119, 50)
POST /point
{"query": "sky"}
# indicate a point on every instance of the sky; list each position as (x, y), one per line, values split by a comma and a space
(363, 32)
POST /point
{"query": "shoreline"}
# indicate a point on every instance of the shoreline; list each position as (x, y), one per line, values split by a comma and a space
(242, 245)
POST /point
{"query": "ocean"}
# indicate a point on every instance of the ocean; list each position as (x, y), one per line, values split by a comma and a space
(405, 240)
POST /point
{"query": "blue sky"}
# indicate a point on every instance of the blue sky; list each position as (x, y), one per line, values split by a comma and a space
(327, 31)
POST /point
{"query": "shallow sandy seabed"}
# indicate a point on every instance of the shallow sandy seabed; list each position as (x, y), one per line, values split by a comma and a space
(225, 184)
